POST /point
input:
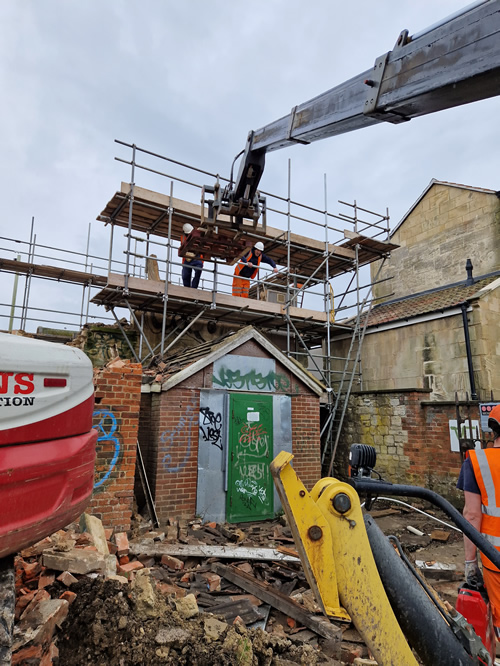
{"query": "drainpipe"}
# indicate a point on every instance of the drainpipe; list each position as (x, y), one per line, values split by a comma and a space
(464, 307)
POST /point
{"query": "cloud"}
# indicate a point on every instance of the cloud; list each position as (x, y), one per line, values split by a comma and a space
(189, 80)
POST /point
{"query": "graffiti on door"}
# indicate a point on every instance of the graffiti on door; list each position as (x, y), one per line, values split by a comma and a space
(250, 487)
(253, 443)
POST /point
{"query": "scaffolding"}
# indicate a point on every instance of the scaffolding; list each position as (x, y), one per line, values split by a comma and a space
(295, 307)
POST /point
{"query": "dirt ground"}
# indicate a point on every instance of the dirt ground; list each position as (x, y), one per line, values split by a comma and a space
(109, 625)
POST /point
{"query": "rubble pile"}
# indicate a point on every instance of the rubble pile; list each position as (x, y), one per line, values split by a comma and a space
(190, 593)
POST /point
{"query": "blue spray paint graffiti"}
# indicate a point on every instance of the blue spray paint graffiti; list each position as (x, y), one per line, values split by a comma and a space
(107, 428)
(167, 441)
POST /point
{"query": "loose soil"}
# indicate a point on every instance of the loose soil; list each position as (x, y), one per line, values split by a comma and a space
(105, 627)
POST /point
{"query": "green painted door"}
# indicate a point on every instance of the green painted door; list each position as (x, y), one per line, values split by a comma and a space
(250, 452)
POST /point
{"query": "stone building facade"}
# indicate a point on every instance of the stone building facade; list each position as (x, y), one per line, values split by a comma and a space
(431, 337)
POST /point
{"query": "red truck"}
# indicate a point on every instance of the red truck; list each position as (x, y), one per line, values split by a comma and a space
(47, 450)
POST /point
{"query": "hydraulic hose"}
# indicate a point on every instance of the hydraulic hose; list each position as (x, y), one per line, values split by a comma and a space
(373, 487)
(423, 625)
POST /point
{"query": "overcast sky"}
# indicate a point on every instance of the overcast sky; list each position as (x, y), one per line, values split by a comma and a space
(189, 79)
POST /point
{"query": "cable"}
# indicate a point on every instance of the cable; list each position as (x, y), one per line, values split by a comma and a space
(438, 520)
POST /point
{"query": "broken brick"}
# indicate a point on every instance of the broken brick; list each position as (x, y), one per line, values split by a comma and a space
(213, 582)
(77, 560)
(50, 655)
(68, 596)
(46, 579)
(66, 578)
(172, 562)
(127, 569)
(122, 544)
(25, 655)
(40, 595)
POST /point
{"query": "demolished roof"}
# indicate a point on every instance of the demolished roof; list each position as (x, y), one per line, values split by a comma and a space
(179, 366)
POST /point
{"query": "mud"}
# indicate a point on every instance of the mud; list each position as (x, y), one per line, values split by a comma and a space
(104, 628)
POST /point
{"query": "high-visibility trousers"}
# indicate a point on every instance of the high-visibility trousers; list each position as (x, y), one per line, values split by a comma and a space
(492, 584)
(241, 287)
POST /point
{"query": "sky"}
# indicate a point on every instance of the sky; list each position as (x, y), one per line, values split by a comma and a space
(188, 80)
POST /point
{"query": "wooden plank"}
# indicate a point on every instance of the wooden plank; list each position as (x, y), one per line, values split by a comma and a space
(52, 272)
(243, 608)
(154, 549)
(264, 591)
(157, 288)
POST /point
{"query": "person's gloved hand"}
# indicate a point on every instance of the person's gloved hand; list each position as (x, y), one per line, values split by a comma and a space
(473, 575)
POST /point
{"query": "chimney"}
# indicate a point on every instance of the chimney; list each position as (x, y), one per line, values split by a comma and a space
(468, 268)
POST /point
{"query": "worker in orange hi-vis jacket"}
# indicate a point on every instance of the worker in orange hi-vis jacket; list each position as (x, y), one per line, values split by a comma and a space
(480, 480)
(247, 269)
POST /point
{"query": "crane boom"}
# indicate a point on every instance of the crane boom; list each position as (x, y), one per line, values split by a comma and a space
(452, 63)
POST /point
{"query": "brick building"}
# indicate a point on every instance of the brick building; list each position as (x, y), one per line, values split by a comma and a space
(221, 413)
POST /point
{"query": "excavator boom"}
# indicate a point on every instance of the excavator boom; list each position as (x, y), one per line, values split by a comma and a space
(454, 62)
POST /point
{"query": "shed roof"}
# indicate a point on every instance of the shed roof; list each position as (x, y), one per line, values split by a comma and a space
(179, 366)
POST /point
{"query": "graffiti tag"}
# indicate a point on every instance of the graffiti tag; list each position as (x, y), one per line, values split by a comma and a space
(250, 488)
(167, 441)
(107, 428)
(255, 471)
(210, 427)
(251, 380)
(253, 442)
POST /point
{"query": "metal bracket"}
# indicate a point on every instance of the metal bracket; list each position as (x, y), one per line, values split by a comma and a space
(289, 136)
(374, 85)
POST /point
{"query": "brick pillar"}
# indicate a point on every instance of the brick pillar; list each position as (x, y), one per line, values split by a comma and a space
(175, 414)
(306, 438)
(116, 418)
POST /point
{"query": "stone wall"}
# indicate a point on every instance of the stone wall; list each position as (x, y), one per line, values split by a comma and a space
(116, 418)
(411, 436)
(449, 225)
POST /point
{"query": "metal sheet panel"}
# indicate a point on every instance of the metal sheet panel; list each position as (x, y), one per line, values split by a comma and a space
(248, 373)
(282, 431)
(212, 446)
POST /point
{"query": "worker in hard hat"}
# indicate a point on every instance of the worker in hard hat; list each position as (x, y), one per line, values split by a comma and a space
(192, 264)
(480, 480)
(247, 269)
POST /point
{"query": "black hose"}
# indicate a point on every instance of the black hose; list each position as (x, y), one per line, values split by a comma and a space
(372, 487)
(423, 625)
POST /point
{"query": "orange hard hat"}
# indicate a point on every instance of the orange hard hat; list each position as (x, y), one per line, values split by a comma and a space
(494, 420)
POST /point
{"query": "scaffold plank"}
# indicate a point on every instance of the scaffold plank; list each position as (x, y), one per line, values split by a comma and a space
(52, 272)
(187, 300)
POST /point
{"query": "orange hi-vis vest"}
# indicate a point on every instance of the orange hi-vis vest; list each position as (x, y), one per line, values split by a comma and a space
(486, 466)
(239, 266)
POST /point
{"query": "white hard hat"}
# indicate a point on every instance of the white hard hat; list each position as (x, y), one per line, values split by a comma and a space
(187, 228)
(259, 246)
